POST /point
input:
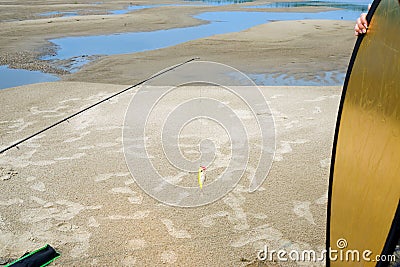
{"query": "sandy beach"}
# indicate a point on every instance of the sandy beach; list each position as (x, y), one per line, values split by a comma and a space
(70, 187)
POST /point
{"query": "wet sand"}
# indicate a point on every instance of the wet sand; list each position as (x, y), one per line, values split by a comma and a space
(71, 188)
(302, 48)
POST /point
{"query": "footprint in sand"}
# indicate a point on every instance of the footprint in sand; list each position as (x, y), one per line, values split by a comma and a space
(65, 227)
(10, 202)
(39, 186)
(168, 256)
(209, 220)
(50, 113)
(139, 215)
(128, 261)
(75, 156)
(302, 209)
(76, 138)
(61, 210)
(263, 232)
(239, 217)
(323, 199)
(325, 163)
(136, 244)
(23, 160)
(173, 231)
(7, 173)
(56, 217)
(19, 125)
(92, 222)
(286, 148)
(133, 198)
(105, 176)
(283, 149)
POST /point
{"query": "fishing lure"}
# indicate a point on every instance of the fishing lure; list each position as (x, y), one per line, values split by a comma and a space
(201, 176)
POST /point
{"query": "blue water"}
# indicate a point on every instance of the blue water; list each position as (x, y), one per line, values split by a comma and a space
(16, 77)
(203, 3)
(112, 12)
(360, 6)
(357, 5)
(135, 7)
(81, 49)
(140, 7)
(115, 12)
(60, 13)
(131, 8)
(220, 22)
(221, 2)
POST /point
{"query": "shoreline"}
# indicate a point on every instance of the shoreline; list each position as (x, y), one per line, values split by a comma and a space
(25, 54)
(296, 48)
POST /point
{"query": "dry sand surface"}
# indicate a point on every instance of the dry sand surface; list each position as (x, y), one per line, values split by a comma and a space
(70, 187)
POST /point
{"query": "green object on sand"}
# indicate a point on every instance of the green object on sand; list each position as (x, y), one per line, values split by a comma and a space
(38, 258)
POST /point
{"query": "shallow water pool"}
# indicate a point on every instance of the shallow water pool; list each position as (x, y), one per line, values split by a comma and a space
(221, 2)
(220, 23)
(17, 77)
(360, 6)
(59, 13)
(78, 51)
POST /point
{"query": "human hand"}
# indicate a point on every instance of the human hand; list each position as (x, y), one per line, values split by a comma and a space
(361, 24)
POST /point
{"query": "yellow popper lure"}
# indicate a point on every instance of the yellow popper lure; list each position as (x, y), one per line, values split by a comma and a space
(201, 176)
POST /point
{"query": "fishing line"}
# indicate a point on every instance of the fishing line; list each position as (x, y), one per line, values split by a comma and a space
(96, 104)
